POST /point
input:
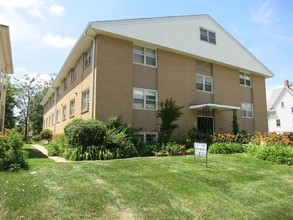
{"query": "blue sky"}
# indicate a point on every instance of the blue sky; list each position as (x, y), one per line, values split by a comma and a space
(44, 31)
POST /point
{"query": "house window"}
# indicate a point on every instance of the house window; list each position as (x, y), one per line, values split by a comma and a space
(278, 122)
(58, 91)
(49, 120)
(204, 83)
(64, 84)
(292, 110)
(73, 74)
(145, 56)
(144, 99)
(64, 113)
(85, 100)
(207, 36)
(86, 58)
(247, 110)
(149, 137)
(57, 116)
(245, 79)
(72, 108)
(52, 118)
(54, 98)
(282, 104)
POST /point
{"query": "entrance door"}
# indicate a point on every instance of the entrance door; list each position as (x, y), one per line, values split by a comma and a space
(205, 124)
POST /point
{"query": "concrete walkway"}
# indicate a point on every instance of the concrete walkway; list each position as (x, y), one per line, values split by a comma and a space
(45, 151)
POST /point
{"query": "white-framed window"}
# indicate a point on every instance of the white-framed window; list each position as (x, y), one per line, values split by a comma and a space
(145, 56)
(53, 118)
(54, 98)
(282, 104)
(204, 83)
(245, 79)
(49, 120)
(86, 58)
(72, 108)
(292, 110)
(64, 109)
(278, 122)
(57, 116)
(208, 36)
(85, 100)
(73, 74)
(144, 99)
(149, 137)
(58, 91)
(247, 110)
(64, 84)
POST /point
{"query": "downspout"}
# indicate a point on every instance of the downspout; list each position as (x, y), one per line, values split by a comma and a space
(93, 75)
(55, 110)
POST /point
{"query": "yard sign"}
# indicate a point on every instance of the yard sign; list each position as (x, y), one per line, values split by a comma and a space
(200, 149)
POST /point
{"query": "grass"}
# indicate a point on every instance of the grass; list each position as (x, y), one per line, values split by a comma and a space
(234, 186)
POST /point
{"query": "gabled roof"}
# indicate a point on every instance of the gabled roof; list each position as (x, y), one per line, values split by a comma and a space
(5, 45)
(182, 34)
(276, 95)
(179, 34)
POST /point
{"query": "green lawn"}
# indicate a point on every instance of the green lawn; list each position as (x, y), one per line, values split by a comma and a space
(234, 186)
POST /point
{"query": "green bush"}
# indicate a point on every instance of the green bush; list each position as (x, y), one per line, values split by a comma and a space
(275, 153)
(226, 148)
(46, 134)
(85, 132)
(58, 146)
(36, 138)
(11, 155)
(93, 139)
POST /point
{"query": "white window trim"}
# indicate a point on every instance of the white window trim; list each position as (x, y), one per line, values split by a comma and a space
(73, 75)
(245, 74)
(252, 113)
(204, 76)
(86, 58)
(144, 134)
(71, 110)
(208, 35)
(144, 99)
(144, 56)
(86, 108)
(57, 116)
(64, 112)
(278, 126)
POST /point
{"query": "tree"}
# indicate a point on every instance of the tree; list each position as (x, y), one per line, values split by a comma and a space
(27, 88)
(10, 119)
(169, 112)
(235, 125)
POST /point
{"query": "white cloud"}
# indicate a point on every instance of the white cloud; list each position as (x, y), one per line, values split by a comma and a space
(57, 41)
(265, 14)
(56, 9)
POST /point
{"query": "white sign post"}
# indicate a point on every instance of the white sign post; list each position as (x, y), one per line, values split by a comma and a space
(201, 150)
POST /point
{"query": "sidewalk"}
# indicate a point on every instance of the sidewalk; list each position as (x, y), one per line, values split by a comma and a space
(45, 151)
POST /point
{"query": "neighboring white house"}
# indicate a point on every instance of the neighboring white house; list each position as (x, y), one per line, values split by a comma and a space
(280, 109)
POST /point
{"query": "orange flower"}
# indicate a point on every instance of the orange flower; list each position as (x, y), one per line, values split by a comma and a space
(77, 135)
(122, 142)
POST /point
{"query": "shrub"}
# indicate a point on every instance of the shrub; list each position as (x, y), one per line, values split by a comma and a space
(46, 134)
(36, 138)
(226, 148)
(241, 138)
(275, 153)
(93, 139)
(58, 146)
(85, 132)
(11, 155)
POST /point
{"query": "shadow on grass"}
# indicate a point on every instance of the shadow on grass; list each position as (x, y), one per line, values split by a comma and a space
(34, 153)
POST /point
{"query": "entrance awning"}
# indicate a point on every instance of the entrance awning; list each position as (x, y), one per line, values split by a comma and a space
(216, 107)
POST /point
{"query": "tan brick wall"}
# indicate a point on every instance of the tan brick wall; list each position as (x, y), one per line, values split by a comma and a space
(260, 107)
(176, 79)
(114, 78)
